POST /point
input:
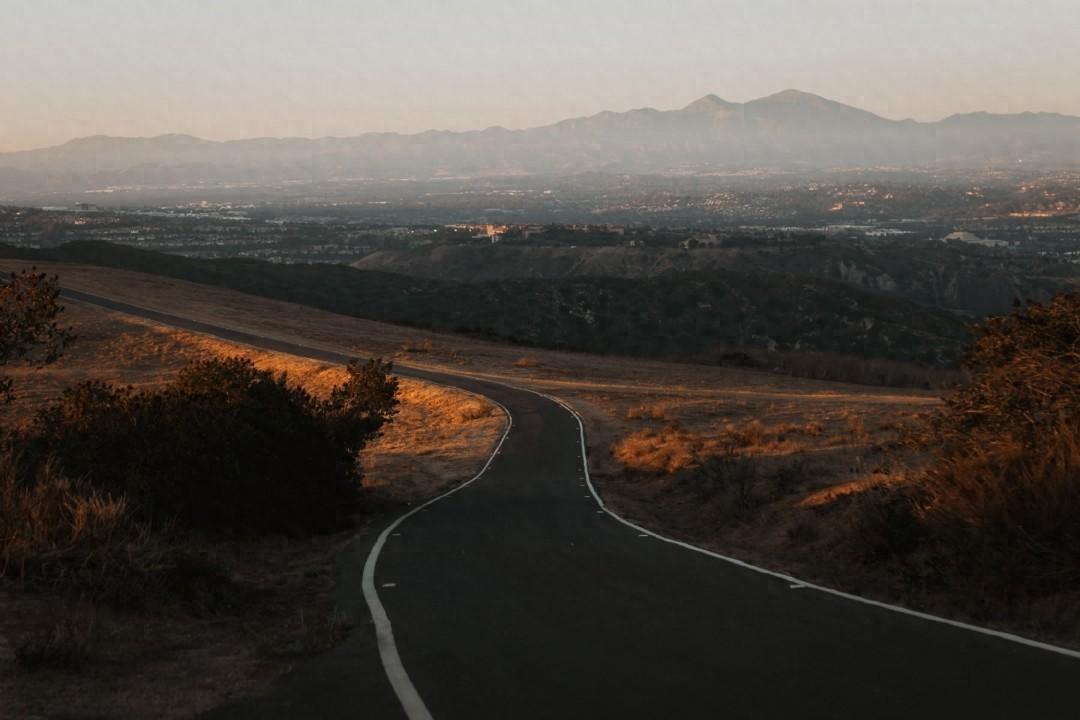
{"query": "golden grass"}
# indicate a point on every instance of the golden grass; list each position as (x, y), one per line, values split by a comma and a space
(156, 666)
(665, 451)
(676, 447)
(654, 411)
(440, 435)
(50, 524)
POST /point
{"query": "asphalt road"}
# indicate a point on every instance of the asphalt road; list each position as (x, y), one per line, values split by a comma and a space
(519, 596)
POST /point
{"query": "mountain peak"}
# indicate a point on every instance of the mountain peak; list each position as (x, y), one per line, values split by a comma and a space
(792, 96)
(807, 107)
(709, 103)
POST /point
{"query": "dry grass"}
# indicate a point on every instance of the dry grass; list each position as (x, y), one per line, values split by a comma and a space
(154, 663)
(665, 451)
(439, 437)
(59, 654)
(410, 347)
(643, 412)
(54, 528)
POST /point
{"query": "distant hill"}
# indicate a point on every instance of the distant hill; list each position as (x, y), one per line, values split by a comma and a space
(687, 316)
(971, 280)
(790, 129)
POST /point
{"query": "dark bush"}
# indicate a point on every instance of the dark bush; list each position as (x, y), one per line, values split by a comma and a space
(29, 331)
(226, 448)
(996, 514)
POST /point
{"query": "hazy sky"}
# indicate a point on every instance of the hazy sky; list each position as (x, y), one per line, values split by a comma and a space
(239, 68)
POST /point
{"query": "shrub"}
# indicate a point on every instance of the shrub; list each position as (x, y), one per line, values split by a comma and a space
(996, 515)
(732, 486)
(471, 410)
(226, 448)
(749, 434)
(663, 452)
(652, 412)
(29, 330)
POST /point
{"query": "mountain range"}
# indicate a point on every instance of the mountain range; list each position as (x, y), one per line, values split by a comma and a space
(788, 130)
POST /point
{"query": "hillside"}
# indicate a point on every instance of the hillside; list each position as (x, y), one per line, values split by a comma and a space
(691, 316)
(971, 280)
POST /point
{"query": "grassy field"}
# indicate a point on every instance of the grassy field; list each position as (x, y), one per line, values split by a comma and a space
(156, 664)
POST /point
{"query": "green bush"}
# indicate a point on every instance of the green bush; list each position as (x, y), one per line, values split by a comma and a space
(225, 449)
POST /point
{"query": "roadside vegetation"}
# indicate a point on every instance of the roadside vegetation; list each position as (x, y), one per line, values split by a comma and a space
(226, 448)
(103, 491)
(167, 504)
(30, 332)
(970, 509)
(993, 520)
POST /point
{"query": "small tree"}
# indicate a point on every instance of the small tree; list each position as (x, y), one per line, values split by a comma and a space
(358, 408)
(29, 331)
(1024, 377)
(1000, 500)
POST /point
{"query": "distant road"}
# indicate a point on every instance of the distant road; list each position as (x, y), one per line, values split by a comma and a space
(519, 596)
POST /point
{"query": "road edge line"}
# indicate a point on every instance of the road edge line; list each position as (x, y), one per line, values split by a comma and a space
(999, 634)
(403, 687)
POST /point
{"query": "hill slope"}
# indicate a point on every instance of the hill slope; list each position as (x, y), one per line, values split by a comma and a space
(965, 278)
(696, 316)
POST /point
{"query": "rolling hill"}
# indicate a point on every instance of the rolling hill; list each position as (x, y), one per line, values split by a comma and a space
(697, 316)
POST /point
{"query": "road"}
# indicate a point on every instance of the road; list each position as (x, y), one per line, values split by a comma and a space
(520, 596)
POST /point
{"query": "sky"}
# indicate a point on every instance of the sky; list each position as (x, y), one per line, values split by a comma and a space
(226, 69)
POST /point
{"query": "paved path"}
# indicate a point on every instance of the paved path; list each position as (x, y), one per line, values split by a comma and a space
(519, 597)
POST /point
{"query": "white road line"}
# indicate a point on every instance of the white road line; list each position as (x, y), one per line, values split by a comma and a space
(793, 581)
(406, 692)
(382, 623)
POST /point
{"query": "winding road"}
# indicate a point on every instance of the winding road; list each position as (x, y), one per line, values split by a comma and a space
(519, 596)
